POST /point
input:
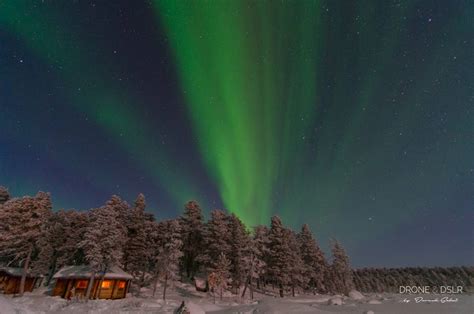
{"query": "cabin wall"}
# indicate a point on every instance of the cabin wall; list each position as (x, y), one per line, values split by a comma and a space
(11, 285)
(111, 289)
(59, 287)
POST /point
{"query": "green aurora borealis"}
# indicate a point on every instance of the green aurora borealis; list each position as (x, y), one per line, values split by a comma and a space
(352, 116)
(253, 75)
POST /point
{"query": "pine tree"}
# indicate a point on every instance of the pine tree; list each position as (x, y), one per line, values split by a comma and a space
(22, 224)
(219, 278)
(239, 251)
(254, 261)
(136, 251)
(76, 223)
(58, 245)
(192, 234)
(279, 263)
(315, 265)
(262, 244)
(50, 244)
(341, 271)
(216, 238)
(104, 238)
(169, 255)
(4, 195)
(297, 266)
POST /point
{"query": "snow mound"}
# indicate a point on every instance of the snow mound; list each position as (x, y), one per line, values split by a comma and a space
(335, 301)
(356, 295)
(374, 302)
(369, 312)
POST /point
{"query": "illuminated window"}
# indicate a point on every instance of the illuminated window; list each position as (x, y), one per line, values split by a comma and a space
(81, 284)
(106, 284)
(121, 285)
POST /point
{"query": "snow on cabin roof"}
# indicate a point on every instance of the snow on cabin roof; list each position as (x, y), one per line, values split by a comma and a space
(17, 272)
(84, 271)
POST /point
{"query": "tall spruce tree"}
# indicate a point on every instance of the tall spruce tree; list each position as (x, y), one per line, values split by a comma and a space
(50, 245)
(136, 253)
(192, 234)
(297, 267)
(279, 263)
(262, 244)
(216, 239)
(104, 238)
(255, 258)
(22, 224)
(169, 255)
(219, 278)
(58, 245)
(341, 272)
(239, 251)
(315, 265)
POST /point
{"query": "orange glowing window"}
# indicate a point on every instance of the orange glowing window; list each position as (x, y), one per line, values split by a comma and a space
(121, 285)
(106, 284)
(81, 284)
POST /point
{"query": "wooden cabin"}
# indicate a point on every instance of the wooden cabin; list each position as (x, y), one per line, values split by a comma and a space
(10, 279)
(72, 281)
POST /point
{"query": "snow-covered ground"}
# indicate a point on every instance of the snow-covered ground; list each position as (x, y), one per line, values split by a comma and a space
(198, 302)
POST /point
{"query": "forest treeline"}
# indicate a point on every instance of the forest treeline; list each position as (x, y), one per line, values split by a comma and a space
(221, 251)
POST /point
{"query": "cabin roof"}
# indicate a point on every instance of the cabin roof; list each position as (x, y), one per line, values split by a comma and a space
(84, 271)
(16, 271)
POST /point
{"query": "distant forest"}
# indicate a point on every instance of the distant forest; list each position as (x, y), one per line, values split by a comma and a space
(222, 252)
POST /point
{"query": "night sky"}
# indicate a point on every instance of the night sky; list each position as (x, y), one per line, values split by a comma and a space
(356, 117)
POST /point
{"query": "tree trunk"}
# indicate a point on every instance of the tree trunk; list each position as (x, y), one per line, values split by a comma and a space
(89, 287)
(155, 285)
(245, 289)
(25, 269)
(139, 283)
(293, 291)
(142, 281)
(52, 272)
(281, 291)
(164, 288)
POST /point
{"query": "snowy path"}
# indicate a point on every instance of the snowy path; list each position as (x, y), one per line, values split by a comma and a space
(200, 303)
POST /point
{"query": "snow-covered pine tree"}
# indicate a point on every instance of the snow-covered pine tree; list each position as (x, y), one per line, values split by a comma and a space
(59, 244)
(315, 265)
(221, 274)
(216, 238)
(239, 251)
(153, 241)
(50, 245)
(104, 238)
(22, 223)
(76, 223)
(169, 255)
(136, 253)
(192, 234)
(121, 207)
(262, 243)
(297, 267)
(341, 270)
(254, 262)
(4, 195)
(279, 263)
